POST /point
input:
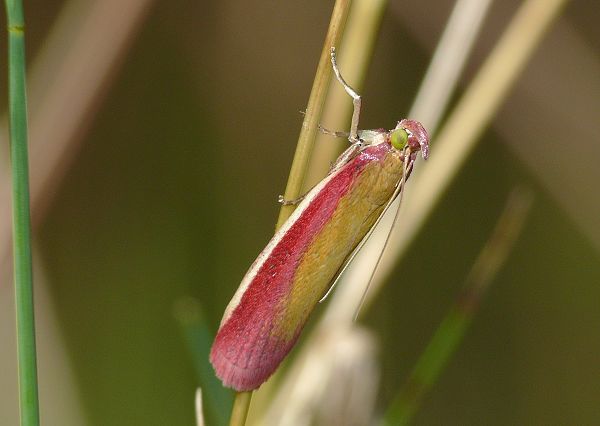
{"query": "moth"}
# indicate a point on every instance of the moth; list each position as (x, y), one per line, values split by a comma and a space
(300, 264)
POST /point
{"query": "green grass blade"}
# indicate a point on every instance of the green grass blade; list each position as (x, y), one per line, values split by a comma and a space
(453, 327)
(28, 387)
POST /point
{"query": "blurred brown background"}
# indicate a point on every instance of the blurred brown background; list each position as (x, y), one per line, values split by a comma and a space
(168, 189)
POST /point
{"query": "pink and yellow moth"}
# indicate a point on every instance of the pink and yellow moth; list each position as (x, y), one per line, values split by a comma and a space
(299, 265)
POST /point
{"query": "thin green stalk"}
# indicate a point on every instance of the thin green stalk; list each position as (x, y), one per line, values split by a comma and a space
(304, 148)
(314, 109)
(354, 58)
(28, 387)
(453, 327)
(241, 406)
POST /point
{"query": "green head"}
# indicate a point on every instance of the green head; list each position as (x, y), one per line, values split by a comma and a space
(399, 138)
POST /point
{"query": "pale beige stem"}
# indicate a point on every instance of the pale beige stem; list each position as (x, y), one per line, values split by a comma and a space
(450, 149)
(448, 61)
(198, 407)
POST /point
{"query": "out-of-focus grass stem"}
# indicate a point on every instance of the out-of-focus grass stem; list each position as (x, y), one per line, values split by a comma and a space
(448, 61)
(23, 275)
(460, 133)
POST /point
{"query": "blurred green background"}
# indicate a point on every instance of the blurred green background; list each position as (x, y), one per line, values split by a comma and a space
(169, 190)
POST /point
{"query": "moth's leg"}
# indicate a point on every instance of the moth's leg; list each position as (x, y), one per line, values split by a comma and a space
(351, 152)
(281, 200)
(328, 132)
(353, 138)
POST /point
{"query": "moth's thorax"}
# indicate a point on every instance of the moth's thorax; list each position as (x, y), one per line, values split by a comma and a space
(379, 136)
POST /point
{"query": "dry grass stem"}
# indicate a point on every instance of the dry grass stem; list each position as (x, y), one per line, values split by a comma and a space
(451, 147)
(354, 57)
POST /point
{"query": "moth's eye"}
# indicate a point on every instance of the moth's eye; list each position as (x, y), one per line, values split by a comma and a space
(399, 138)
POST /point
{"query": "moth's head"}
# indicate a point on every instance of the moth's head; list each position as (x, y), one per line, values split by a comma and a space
(413, 134)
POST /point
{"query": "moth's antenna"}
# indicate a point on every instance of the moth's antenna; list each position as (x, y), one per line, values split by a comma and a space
(355, 99)
(400, 193)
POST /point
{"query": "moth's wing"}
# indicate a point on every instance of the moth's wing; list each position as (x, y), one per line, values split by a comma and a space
(349, 153)
(257, 330)
(245, 353)
(362, 242)
(398, 193)
(268, 313)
